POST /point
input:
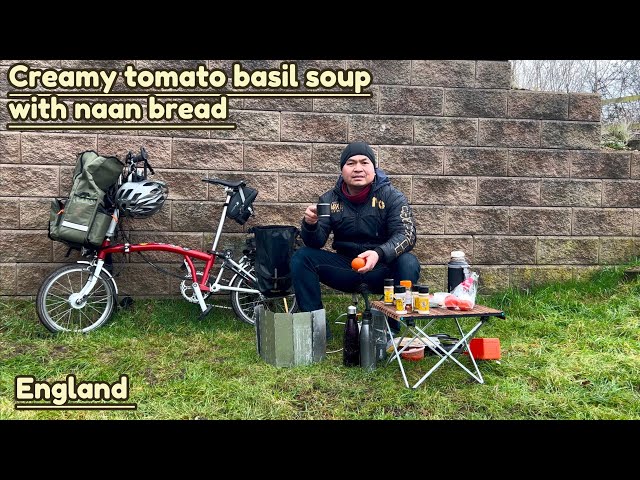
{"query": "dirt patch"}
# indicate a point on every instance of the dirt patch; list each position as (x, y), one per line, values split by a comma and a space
(8, 352)
(218, 360)
(106, 355)
(179, 375)
(150, 377)
(59, 351)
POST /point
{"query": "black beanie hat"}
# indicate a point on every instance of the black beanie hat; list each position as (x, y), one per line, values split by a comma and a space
(357, 148)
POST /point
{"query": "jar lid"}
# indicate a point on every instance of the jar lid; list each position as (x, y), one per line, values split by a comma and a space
(406, 283)
(424, 289)
(388, 282)
(399, 289)
(457, 254)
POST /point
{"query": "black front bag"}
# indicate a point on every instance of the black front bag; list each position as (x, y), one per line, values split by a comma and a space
(275, 245)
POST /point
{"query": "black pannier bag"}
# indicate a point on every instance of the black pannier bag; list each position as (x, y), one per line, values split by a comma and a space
(241, 204)
(275, 245)
(82, 219)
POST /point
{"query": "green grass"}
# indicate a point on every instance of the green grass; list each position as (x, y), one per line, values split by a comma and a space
(569, 351)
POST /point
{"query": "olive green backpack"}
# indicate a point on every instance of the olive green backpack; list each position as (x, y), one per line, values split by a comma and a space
(82, 219)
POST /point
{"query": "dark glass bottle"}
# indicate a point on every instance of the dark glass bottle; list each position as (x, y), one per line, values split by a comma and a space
(351, 347)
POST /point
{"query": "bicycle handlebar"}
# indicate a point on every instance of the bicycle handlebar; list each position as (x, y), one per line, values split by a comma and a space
(133, 159)
(142, 156)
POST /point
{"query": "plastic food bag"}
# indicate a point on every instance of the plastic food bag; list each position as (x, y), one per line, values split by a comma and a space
(437, 299)
(466, 292)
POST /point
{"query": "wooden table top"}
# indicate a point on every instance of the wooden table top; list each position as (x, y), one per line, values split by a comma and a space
(436, 312)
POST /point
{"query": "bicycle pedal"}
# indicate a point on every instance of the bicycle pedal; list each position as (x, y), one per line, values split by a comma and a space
(205, 312)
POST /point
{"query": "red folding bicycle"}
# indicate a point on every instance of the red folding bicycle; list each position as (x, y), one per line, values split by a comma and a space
(83, 296)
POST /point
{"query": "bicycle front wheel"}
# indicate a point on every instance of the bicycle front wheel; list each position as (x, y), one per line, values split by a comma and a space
(60, 308)
(243, 303)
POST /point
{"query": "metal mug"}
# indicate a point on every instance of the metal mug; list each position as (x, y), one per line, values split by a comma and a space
(323, 209)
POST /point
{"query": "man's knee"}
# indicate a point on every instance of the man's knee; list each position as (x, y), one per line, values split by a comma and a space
(301, 257)
(297, 259)
(408, 264)
(408, 260)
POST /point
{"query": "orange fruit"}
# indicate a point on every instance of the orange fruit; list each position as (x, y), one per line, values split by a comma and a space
(357, 263)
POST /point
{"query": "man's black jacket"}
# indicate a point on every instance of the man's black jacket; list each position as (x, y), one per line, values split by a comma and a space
(383, 223)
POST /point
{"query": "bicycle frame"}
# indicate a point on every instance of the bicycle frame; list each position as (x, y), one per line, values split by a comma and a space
(188, 254)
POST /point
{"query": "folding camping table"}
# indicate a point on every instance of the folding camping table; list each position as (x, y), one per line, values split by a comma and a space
(418, 329)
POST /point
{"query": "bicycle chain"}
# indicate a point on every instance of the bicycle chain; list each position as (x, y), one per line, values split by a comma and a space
(166, 272)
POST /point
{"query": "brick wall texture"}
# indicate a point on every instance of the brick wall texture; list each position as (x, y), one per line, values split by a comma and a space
(514, 178)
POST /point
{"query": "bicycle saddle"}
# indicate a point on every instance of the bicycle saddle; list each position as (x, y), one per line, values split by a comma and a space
(224, 182)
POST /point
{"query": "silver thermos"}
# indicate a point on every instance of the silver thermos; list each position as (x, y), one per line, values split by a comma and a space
(367, 345)
(457, 269)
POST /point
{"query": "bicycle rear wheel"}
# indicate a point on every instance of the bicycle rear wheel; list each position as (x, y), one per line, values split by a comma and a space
(243, 303)
(59, 307)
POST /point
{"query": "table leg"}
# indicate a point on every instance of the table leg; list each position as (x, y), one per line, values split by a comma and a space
(449, 355)
(396, 353)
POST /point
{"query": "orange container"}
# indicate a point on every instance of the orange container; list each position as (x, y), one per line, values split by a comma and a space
(485, 348)
(413, 353)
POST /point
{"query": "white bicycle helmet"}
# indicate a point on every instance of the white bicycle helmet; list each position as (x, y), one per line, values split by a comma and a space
(141, 199)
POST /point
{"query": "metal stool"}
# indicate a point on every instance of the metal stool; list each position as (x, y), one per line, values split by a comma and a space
(362, 291)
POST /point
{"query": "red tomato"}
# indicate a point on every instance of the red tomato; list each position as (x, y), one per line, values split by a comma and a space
(465, 304)
(451, 301)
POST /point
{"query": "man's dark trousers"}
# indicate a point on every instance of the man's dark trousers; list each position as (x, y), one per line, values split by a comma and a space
(311, 266)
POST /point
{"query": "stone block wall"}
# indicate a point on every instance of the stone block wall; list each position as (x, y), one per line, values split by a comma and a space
(514, 178)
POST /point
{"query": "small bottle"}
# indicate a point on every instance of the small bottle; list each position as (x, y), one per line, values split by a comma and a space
(367, 346)
(422, 300)
(388, 291)
(399, 298)
(351, 346)
(415, 295)
(408, 300)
